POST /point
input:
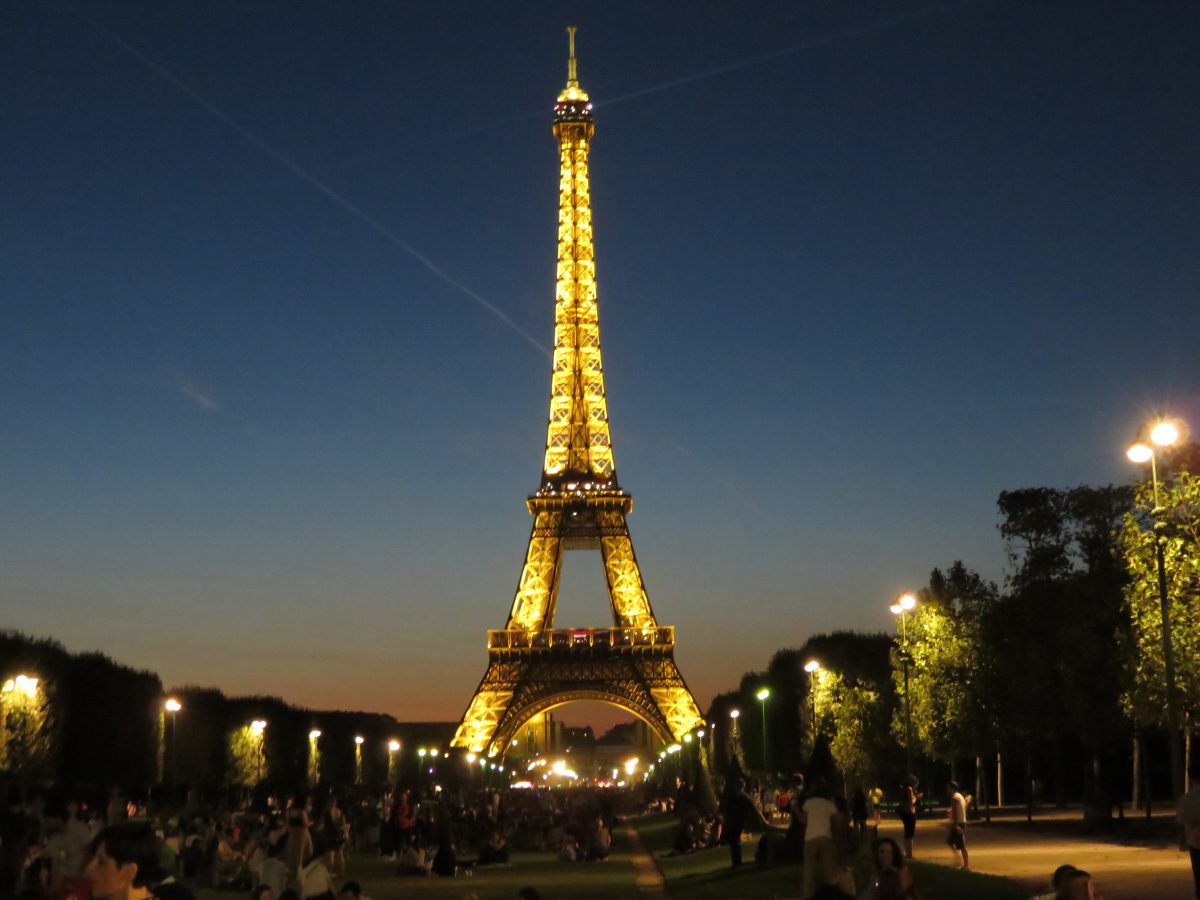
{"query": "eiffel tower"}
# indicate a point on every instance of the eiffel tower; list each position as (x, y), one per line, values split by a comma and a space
(532, 666)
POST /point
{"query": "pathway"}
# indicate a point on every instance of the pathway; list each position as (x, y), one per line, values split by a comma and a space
(1147, 871)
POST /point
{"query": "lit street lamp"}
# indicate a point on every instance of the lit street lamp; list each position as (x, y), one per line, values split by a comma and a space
(762, 696)
(1163, 434)
(812, 667)
(901, 608)
(173, 706)
(257, 727)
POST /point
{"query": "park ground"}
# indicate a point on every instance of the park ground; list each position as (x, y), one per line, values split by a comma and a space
(1011, 861)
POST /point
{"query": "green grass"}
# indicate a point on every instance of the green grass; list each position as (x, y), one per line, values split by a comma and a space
(707, 873)
(554, 879)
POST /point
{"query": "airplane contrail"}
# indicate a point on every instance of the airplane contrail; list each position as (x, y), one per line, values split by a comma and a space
(759, 59)
(306, 176)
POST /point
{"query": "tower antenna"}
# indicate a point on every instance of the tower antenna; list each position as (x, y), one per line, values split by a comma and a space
(572, 76)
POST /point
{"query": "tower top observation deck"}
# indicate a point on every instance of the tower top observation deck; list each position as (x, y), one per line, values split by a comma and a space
(573, 103)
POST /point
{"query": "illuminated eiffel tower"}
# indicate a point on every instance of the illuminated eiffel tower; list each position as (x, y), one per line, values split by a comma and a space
(533, 667)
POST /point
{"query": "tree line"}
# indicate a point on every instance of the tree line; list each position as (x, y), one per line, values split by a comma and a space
(84, 722)
(1051, 684)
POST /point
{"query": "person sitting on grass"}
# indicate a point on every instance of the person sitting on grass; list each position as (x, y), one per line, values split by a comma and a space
(886, 855)
(1078, 885)
(352, 890)
(599, 840)
(1056, 881)
(125, 865)
(685, 839)
(494, 850)
(840, 888)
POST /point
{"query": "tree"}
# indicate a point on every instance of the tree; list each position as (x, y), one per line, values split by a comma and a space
(1145, 696)
(948, 673)
(1059, 632)
(854, 719)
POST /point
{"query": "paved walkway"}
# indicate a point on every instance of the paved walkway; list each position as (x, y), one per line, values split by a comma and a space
(648, 876)
(1146, 871)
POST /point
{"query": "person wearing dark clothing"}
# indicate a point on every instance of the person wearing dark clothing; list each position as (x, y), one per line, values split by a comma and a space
(445, 862)
(739, 814)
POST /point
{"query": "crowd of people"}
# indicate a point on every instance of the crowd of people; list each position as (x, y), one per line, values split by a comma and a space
(284, 848)
(295, 848)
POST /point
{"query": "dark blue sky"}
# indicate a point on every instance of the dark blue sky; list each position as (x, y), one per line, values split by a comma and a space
(862, 266)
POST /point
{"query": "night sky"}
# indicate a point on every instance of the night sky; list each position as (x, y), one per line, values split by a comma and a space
(277, 283)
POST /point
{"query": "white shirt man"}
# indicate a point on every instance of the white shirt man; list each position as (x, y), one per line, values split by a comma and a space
(819, 815)
(956, 817)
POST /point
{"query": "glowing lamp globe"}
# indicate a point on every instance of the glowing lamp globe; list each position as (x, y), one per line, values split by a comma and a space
(1139, 453)
(1164, 434)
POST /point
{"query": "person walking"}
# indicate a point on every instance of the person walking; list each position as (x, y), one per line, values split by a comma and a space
(909, 797)
(956, 818)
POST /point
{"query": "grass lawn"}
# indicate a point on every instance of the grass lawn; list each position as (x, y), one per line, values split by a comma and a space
(554, 879)
(707, 873)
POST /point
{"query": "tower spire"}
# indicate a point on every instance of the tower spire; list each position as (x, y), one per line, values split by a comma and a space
(573, 93)
(572, 75)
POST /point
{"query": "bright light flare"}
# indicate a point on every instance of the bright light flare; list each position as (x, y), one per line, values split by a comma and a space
(763, 694)
(1139, 453)
(22, 684)
(907, 601)
(734, 713)
(358, 739)
(811, 666)
(393, 746)
(258, 726)
(1165, 434)
(314, 734)
(173, 705)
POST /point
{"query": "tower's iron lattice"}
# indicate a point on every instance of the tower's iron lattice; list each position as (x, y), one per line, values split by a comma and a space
(531, 665)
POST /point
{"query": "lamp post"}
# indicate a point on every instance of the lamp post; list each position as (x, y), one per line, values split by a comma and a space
(1163, 434)
(901, 608)
(393, 772)
(314, 757)
(173, 706)
(257, 727)
(762, 696)
(812, 667)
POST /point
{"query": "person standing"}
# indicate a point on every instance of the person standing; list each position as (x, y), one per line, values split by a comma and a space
(909, 797)
(956, 817)
(819, 814)
(1187, 814)
(739, 814)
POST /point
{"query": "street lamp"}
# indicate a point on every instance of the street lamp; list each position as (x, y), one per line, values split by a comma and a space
(173, 706)
(901, 608)
(257, 727)
(762, 696)
(1163, 434)
(812, 667)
